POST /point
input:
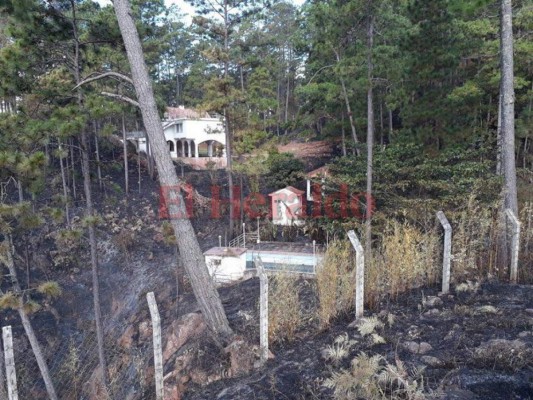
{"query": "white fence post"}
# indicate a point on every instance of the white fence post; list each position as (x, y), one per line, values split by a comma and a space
(11, 375)
(158, 352)
(263, 309)
(314, 256)
(359, 274)
(515, 244)
(447, 257)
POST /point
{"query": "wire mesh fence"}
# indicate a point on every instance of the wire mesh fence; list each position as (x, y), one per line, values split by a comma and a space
(73, 363)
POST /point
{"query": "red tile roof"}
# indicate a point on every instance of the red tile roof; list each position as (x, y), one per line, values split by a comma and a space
(289, 188)
(179, 112)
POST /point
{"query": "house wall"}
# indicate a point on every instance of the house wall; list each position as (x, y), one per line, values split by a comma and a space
(226, 269)
(194, 132)
(290, 204)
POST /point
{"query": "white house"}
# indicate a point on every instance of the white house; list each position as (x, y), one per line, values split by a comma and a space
(286, 206)
(226, 264)
(192, 137)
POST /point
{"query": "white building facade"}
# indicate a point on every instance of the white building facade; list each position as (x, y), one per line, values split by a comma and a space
(193, 138)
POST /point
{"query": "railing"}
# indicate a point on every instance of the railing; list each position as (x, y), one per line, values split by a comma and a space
(243, 239)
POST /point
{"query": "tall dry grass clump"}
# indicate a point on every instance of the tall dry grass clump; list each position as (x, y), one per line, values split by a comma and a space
(474, 241)
(406, 258)
(525, 259)
(284, 315)
(335, 282)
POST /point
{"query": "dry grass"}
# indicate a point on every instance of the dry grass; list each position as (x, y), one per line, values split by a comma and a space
(335, 282)
(406, 258)
(474, 241)
(370, 377)
(284, 315)
(525, 259)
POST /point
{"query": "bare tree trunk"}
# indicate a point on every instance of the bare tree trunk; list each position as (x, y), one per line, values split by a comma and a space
(369, 143)
(227, 125)
(499, 135)
(72, 162)
(189, 249)
(89, 212)
(343, 136)
(8, 259)
(381, 126)
(97, 153)
(508, 128)
(229, 167)
(125, 147)
(94, 257)
(390, 125)
(350, 117)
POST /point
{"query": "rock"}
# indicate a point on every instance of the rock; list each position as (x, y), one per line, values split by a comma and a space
(424, 348)
(529, 310)
(145, 330)
(413, 332)
(415, 348)
(411, 347)
(232, 392)
(459, 394)
(431, 361)
(524, 334)
(242, 357)
(126, 340)
(453, 333)
(189, 325)
(432, 301)
(172, 392)
(432, 313)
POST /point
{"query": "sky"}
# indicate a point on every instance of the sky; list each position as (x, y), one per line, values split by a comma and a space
(185, 7)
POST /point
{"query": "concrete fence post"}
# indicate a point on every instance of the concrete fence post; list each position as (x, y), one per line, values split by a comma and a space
(158, 352)
(359, 274)
(515, 244)
(263, 309)
(3, 390)
(314, 256)
(447, 256)
(11, 374)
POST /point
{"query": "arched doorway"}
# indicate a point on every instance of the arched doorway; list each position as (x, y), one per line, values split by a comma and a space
(170, 144)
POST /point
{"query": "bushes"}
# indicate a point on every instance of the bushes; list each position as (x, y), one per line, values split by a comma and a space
(284, 169)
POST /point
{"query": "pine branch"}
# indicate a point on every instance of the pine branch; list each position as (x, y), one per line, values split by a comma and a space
(121, 97)
(104, 75)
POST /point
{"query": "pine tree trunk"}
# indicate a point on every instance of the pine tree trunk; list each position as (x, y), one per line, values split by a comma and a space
(8, 260)
(94, 257)
(125, 148)
(89, 212)
(343, 137)
(508, 128)
(189, 249)
(348, 110)
(369, 143)
(97, 153)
